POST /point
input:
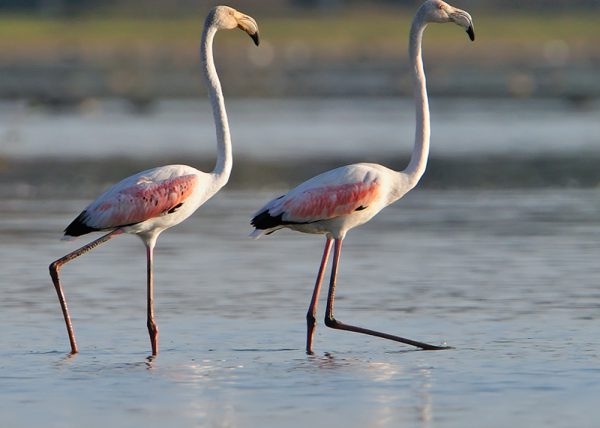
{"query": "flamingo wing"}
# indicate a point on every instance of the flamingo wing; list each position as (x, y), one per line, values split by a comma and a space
(323, 203)
(131, 202)
(333, 194)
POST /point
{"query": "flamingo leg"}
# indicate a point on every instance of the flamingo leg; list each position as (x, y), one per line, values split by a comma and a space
(54, 271)
(152, 328)
(330, 321)
(311, 321)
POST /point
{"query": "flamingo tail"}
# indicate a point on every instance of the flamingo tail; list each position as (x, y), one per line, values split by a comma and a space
(78, 227)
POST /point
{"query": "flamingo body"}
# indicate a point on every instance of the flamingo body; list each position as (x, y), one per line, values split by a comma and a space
(333, 202)
(155, 199)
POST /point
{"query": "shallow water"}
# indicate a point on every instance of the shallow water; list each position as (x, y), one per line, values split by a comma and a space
(508, 278)
(276, 129)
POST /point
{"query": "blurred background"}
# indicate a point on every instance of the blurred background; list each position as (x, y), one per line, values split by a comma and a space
(87, 80)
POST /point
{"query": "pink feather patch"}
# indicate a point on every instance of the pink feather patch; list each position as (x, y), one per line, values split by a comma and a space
(332, 201)
(142, 201)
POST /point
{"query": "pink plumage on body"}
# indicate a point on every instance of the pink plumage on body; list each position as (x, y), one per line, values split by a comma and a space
(331, 201)
(140, 202)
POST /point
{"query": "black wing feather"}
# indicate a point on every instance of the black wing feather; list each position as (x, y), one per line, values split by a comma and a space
(79, 227)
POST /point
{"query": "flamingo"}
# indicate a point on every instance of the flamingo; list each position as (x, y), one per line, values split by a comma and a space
(336, 201)
(154, 200)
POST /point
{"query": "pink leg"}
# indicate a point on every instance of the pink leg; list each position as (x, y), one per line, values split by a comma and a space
(55, 269)
(152, 328)
(312, 308)
(330, 321)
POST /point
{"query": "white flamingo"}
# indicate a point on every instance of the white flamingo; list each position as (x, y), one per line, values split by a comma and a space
(336, 201)
(151, 201)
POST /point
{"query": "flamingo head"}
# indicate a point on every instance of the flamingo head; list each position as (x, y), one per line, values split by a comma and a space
(227, 18)
(439, 11)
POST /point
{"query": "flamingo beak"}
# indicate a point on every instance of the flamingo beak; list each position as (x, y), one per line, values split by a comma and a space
(255, 38)
(471, 33)
(462, 18)
(249, 25)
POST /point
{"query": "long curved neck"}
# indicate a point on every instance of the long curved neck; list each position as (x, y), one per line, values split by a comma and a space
(418, 159)
(224, 157)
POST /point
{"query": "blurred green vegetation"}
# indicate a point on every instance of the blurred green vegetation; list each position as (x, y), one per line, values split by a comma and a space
(353, 51)
(353, 29)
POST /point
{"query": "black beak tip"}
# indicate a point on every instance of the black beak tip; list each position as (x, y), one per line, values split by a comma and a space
(471, 33)
(255, 38)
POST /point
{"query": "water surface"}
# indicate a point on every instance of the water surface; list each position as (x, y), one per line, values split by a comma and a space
(487, 256)
(507, 277)
(277, 129)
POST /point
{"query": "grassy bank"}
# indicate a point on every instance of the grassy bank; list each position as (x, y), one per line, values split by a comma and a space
(340, 34)
(356, 52)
